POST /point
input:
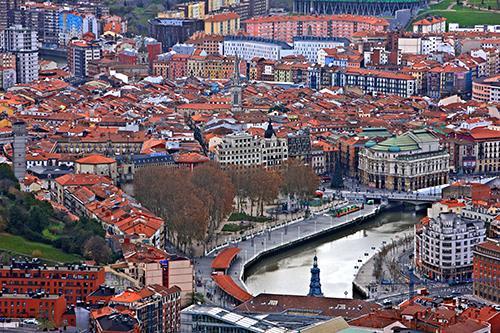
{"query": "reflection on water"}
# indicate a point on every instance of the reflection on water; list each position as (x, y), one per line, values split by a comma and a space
(288, 272)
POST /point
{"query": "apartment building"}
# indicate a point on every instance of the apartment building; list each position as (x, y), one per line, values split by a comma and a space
(245, 149)
(486, 274)
(222, 24)
(22, 42)
(80, 53)
(285, 28)
(375, 81)
(248, 48)
(444, 246)
(487, 90)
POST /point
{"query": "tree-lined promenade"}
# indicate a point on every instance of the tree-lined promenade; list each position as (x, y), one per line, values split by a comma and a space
(195, 204)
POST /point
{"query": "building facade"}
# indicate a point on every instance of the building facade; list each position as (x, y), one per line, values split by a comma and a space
(248, 48)
(243, 149)
(73, 282)
(285, 28)
(80, 53)
(50, 307)
(172, 31)
(487, 90)
(375, 81)
(308, 46)
(444, 246)
(22, 42)
(430, 25)
(222, 24)
(407, 162)
(486, 273)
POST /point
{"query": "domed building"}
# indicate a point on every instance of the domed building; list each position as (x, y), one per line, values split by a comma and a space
(406, 162)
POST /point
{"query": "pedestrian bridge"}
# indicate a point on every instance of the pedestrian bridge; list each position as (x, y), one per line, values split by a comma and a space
(412, 197)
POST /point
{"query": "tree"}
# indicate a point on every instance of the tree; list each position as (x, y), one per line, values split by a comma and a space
(337, 180)
(172, 195)
(218, 189)
(7, 173)
(265, 187)
(299, 180)
(97, 249)
(239, 180)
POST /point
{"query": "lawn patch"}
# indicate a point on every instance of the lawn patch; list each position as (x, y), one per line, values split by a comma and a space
(21, 246)
(240, 216)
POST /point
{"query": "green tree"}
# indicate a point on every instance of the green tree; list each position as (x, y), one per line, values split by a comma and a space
(6, 172)
(337, 180)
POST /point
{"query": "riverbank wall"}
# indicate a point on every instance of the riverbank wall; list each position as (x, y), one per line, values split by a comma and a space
(366, 277)
(350, 222)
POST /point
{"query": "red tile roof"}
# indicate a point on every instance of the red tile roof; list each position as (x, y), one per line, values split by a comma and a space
(223, 260)
(95, 159)
(81, 180)
(226, 283)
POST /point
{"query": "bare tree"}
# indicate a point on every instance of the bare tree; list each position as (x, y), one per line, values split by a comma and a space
(97, 249)
(219, 192)
(299, 180)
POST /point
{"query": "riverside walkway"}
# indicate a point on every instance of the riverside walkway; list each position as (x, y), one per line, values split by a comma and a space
(269, 241)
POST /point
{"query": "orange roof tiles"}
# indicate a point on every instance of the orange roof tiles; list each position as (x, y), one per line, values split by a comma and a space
(222, 17)
(128, 296)
(484, 134)
(95, 159)
(430, 20)
(226, 283)
(223, 260)
(81, 179)
(191, 158)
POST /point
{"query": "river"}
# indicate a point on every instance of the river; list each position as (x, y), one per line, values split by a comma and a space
(289, 272)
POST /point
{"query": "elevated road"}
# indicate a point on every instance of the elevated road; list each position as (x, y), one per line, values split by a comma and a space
(392, 196)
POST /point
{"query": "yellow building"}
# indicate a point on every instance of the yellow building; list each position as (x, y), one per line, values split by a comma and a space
(176, 13)
(196, 66)
(192, 10)
(214, 5)
(222, 24)
(195, 10)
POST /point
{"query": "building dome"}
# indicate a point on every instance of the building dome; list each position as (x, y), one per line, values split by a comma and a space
(394, 149)
(370, 144)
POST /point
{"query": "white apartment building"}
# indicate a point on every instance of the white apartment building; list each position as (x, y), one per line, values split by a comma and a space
(22, 42)
(243, 149)
(424, 45)
(248, 48)
(455, 27)
(308, 46)
(444, 246)
(430, 25)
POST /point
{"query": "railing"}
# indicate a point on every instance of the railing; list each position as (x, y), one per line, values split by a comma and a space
(274, 225)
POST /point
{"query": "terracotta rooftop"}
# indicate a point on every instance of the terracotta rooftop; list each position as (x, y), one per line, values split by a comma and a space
(95, 159)
(227, 284)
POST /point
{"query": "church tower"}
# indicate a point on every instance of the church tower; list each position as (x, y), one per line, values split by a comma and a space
(236, 90)
(315, 285)
(19, 145)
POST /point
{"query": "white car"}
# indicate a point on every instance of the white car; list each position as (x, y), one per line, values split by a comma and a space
(31, 321)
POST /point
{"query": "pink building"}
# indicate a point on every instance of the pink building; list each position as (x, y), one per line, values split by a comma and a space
(284, 28)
